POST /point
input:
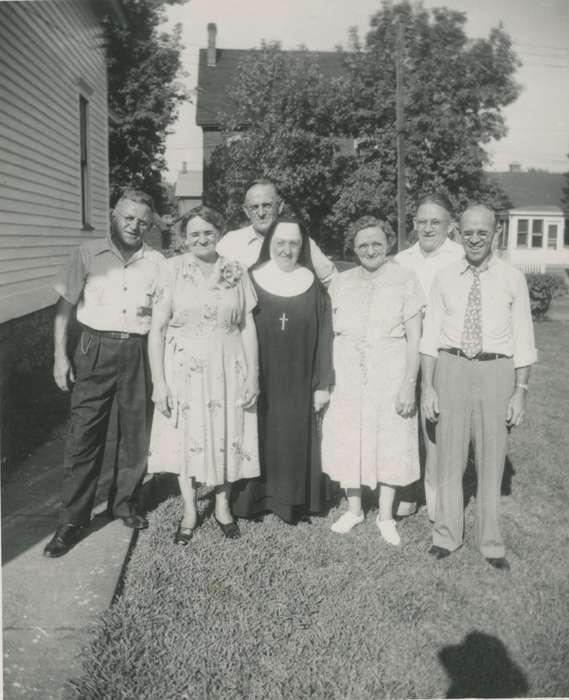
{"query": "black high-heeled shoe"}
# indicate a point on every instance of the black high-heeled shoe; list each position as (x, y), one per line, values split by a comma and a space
(183, 535)
(231, 530)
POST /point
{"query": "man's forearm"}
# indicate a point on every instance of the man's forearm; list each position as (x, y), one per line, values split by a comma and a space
(522, 377)
(428, 365)
(63, 312)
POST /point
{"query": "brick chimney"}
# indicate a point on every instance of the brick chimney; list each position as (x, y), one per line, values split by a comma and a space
(211, 49)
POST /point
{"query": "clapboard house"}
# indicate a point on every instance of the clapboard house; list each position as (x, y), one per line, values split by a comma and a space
(53, 162)
(535, 230)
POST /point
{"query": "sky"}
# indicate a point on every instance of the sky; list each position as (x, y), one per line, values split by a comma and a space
(538, 122)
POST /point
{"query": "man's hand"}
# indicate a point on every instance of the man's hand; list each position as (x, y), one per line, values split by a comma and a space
(250, 392)
(405, 401)
(430, 403)
(516, 408)
(63, 372)
(321, 398)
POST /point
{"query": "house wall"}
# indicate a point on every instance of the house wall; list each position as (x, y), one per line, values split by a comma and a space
(187, 203)
(51, 54)
(534, 258)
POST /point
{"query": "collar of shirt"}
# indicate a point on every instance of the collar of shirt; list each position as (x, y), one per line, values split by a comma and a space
(486, 265)
(106, 245)
(254, 236)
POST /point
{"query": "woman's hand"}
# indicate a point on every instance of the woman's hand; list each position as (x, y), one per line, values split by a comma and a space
(163, 400)
(405, 402)
(321, 398)
(250, 392)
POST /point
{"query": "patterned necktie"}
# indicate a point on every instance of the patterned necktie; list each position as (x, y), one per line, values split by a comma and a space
(472, 330)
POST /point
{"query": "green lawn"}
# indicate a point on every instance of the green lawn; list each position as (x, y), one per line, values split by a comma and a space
(294, 612)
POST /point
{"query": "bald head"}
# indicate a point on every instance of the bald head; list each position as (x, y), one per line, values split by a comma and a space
(477, 228)
(479, 210)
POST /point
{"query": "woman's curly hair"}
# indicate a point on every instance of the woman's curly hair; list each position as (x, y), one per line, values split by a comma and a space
(368, 222)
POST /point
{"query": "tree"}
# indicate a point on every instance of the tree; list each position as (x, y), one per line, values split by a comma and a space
(143, 64)
(289, 116)
(565, 194)
(454, 91)
(281, 128)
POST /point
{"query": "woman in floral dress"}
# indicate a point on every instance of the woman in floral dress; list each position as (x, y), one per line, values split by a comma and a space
(370, 428)
(204, 363)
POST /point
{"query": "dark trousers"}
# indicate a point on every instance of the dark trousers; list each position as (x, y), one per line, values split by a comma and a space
(106, 368)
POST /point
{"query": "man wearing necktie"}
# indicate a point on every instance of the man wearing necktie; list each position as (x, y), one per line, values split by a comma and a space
(476, 352)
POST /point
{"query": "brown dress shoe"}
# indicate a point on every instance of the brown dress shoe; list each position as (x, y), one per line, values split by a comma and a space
(64, 538)
(439, 552)
(500, 563)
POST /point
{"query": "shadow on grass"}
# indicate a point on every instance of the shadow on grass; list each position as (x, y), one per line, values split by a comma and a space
(480, 667)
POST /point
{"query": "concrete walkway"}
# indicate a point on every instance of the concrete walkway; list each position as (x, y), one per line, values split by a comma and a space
(50, 604)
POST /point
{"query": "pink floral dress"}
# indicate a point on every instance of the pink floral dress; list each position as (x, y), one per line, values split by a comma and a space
(209, 436)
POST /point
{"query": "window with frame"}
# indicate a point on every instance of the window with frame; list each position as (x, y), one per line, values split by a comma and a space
(552, 236)
(523, 229)
(537, 233)
(84, 162)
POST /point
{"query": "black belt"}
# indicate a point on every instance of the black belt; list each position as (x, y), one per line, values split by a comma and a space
(482, 356)
(115, 335)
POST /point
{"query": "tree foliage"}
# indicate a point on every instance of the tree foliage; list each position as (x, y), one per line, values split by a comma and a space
(289, 114)
(143, 64)
(565, 194)
(282, 128)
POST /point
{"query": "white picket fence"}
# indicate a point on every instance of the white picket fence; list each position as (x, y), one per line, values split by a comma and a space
(531, 267)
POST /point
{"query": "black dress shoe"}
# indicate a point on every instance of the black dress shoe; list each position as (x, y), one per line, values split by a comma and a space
(64, 538)
(439, 552)
(231, 530)
(499, 563)
(135, 521)
(183, 534)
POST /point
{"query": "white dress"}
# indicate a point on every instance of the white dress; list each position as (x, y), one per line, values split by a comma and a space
(364, 440)
(209, 436)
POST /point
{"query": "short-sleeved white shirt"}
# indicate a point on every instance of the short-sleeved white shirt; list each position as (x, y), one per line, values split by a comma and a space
(111, 294)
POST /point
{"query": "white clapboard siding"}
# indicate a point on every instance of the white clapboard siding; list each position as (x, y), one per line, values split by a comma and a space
(52, 52)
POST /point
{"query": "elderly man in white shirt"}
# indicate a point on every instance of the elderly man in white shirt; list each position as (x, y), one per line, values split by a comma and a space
(262, 207)
(478, 336)
(432, 252)
(110, 284)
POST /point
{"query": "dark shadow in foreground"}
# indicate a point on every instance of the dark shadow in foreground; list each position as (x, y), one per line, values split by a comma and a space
(481, 668)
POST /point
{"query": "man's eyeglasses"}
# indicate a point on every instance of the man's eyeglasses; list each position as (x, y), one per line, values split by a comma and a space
(258, 208)
(425, 223)
(133, 221)
(483, 235)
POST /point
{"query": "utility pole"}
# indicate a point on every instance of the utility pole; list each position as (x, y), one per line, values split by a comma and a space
(400, 127)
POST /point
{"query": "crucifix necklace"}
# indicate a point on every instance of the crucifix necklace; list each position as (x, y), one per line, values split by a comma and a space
(283, 319)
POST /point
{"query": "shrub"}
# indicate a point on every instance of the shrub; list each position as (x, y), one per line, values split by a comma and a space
(542, 288)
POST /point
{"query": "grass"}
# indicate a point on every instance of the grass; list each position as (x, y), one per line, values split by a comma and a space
(294, 612)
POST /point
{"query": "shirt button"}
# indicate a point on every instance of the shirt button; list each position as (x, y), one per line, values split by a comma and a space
(124, 289)
(124, 311)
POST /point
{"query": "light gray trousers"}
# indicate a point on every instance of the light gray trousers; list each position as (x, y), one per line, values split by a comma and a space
(473, 401)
